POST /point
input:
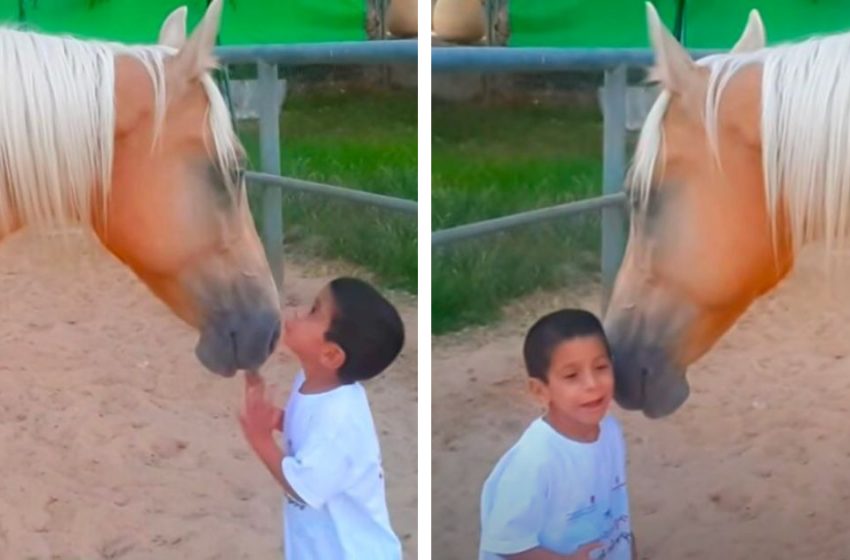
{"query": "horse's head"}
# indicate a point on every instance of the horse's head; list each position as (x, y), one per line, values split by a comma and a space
(177, 213)
(701, 246)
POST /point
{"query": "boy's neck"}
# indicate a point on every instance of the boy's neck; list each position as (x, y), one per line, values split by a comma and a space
(571, 429)
(318, 381)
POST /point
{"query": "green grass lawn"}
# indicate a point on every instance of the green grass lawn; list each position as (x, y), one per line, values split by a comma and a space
(498, 160)
(362, 140)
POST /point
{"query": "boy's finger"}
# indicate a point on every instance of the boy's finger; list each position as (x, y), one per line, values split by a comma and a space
(250, 398)
(253, 379)
(586, 549)
(253, 387)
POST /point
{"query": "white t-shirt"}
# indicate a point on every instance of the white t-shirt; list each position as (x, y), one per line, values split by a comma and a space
(333, 462)
(552, 492)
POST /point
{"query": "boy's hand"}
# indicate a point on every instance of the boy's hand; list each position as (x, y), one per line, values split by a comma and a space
(585, 552)
(259, 416)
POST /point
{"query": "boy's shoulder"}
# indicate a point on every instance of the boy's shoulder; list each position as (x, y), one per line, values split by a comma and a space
(529, 454)
(348, 404)
(343, 410)
(611, 429)
(610, 422)
(540, 446)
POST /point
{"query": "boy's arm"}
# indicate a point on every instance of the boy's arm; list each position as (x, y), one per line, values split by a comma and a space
(320, 469)
(513, 506)
(323, 466)
(259, 419)
(539, 553)
(272, 457)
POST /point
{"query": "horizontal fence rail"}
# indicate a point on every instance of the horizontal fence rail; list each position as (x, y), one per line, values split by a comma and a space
(360, 53)
(268, 59)
(539, 59)
(613, 63)
(401, 205)
(531, 217)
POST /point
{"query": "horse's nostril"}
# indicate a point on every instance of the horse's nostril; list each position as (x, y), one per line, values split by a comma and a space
(274, 339)
(234, 342)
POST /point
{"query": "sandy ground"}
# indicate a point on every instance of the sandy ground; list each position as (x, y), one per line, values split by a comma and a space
(756, 465)
(117, 444)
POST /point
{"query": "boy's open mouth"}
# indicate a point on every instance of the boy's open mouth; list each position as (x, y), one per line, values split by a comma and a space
(594, 403)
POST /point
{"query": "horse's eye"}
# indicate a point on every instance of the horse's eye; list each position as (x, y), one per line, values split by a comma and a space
(237, 175)
(634, 200)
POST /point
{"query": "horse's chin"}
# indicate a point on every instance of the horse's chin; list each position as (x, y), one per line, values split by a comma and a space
(211, 354)
(227, 373)
(665, 393)
(659, 394)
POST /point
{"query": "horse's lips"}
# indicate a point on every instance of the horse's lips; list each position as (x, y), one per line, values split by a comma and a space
(210, 351)
(663, 394)
(234, 341)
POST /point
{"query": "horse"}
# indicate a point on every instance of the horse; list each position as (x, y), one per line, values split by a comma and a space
(742, 161)
(459, 21)
(135, 144)
(402, 18)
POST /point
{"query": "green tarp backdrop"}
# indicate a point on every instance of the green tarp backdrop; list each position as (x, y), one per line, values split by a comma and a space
(707, 23)
(559, 23)
(243, 22)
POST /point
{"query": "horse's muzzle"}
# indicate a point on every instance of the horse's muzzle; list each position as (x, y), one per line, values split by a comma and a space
(235, 340)
(646, 380)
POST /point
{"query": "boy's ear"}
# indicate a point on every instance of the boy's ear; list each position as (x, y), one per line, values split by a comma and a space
(332, 356)
(539, 390)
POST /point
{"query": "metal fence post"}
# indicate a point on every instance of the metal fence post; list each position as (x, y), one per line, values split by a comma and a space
(382, 15)
(269, 114)
(613, 173)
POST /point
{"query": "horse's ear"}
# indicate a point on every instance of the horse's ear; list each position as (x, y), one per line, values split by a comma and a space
(196, 56)
(673, 65)
(753, 37)
(173, 30)
(131, 106)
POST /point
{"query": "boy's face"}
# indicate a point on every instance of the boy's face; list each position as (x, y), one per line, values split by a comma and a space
(304, 334)
(580, 381)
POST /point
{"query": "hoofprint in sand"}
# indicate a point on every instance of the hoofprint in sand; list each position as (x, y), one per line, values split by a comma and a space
(118, 444)
(755, 465)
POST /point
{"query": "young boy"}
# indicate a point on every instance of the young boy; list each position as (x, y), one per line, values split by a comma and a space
(560, 492)
(330, 463)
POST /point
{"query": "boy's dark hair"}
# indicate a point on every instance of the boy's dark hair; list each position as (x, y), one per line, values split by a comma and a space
(366, 326)
(551, 330)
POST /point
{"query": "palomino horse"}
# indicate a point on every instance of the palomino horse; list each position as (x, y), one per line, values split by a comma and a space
(136, 144)
(742, 160)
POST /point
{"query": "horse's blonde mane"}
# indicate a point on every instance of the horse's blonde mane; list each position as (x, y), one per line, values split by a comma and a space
(805, 133)
(57, 124)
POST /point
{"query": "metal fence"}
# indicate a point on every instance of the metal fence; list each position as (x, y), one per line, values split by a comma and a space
(614, 63)
(268, 59)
